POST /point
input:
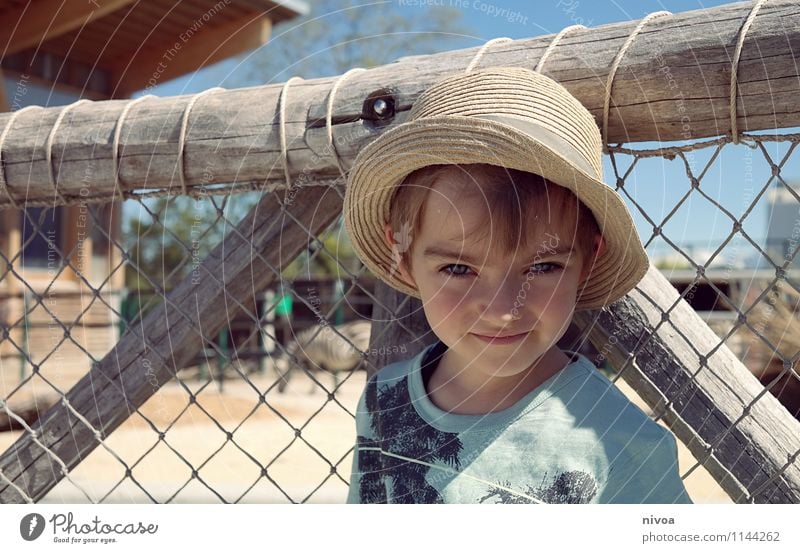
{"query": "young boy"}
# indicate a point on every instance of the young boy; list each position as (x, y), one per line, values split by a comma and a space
(489, 206)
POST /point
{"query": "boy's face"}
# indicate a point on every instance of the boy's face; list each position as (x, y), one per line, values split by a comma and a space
(479, 291)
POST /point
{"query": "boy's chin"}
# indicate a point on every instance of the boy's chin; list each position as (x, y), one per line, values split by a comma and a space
(517, 352)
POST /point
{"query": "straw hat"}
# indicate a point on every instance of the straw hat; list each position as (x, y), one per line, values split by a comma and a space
(507, 116)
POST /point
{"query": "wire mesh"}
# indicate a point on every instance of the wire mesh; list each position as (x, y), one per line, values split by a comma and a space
(759, 316)
(222, 429)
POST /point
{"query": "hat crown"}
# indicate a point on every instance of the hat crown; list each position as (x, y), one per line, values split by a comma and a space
(519, 93)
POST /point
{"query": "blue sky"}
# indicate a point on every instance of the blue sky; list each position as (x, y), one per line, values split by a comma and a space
(734, 180)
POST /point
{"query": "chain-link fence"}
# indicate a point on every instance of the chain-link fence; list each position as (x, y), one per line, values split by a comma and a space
(232, 424)
(752, 285)
(221, 430)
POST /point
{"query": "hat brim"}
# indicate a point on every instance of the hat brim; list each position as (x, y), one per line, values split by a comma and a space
(454, 139)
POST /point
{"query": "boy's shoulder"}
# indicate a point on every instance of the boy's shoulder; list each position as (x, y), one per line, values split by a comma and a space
(607, 407)
(596, 382)
(580, 389)
(388, 376)
(595, 387)
(580, 383)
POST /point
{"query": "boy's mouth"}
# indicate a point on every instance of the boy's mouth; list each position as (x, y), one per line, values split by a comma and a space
(505, 339)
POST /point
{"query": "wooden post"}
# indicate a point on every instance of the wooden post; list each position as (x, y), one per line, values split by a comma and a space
(398, 323)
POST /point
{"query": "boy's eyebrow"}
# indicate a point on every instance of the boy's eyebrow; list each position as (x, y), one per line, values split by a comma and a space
(445, 253)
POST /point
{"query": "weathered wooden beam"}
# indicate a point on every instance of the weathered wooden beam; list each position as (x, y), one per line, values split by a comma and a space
(35, 22)
(399, 328)
(175, 330)
(672, 84)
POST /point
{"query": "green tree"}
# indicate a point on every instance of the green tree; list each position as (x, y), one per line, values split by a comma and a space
(169, 237)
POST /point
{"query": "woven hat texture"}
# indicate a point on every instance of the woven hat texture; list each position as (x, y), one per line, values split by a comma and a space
(507, 116)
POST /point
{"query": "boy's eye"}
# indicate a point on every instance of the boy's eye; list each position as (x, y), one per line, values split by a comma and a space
(457, 270)
(545, 268)
(454, 273)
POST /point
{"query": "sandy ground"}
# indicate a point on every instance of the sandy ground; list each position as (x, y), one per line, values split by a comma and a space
(161, 471)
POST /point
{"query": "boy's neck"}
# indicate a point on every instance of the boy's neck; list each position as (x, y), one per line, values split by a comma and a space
(463, 392)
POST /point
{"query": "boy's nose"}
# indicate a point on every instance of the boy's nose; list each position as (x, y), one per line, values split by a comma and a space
(501, 303)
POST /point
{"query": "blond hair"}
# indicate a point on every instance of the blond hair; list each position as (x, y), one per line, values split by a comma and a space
(516, 199)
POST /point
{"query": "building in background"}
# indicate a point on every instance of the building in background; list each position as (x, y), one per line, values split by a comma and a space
(54, 53)
(783, 228)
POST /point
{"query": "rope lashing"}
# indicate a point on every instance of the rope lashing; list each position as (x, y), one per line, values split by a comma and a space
(329, 116)
(48, 147)
(182, 135)
(554, 43)
(479, 53)
(735, 67)
(115, 143)
(282, 131)
(615, 65)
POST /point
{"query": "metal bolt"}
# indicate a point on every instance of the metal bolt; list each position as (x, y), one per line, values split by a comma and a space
(380, 107)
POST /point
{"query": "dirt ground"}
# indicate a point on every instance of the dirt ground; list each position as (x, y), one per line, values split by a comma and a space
(161, 471)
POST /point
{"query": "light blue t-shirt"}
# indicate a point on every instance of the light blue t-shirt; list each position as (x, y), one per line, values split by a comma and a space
(574, 439)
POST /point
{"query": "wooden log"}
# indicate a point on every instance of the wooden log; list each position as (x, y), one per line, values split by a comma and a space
(672, 84)
(399, 328)
(174, 331)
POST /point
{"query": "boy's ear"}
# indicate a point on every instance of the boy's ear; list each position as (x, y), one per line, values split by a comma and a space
(388, 232)
(401, 266)
(599, 245)
(598, 249)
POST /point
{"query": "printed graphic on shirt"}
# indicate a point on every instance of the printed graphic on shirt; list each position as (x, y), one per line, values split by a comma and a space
(404, 433)
(568, 487)
(401, 431)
